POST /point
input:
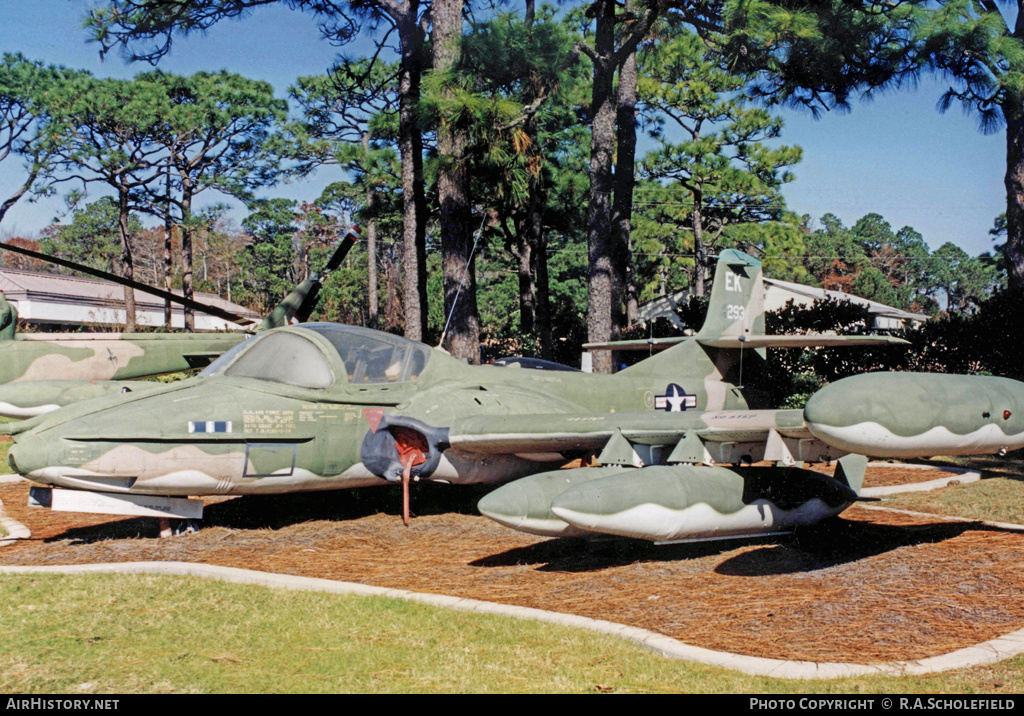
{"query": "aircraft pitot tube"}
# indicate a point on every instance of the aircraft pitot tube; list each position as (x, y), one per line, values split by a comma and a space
(670, 503)
(919, 414)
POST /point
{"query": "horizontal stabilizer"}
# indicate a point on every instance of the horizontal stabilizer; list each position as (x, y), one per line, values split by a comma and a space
(652, 344)
(807, 340)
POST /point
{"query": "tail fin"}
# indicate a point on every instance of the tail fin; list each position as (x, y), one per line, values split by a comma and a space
(8, 319)
(850, 471)
(298, 305)
(287, 311)
(712, 361)
(736, 308)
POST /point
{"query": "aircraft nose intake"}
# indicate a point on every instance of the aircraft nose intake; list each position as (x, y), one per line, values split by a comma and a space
(28, 454)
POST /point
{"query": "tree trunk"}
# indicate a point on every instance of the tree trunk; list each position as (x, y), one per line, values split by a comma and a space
(371, 247)
(462, 332)
(539, 256)
(371, 277)
(1013, 112)
(392, 300)
(625, 176)
(527, 286)
(698, 243)
(186, 253)
(168, 254)
(127, 266)
(410, 142)
(534, 229)
(602, 148)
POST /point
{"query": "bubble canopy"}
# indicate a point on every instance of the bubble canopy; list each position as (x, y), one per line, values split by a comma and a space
(292, 358)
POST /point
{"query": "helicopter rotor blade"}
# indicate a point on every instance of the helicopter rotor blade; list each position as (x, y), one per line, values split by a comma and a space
(114, 278)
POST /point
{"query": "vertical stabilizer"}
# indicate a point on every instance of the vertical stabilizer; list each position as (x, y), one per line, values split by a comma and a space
(287, 311)
(710, 365)
(736, 307)
(298, 305)
(8, 319)
(850, 471)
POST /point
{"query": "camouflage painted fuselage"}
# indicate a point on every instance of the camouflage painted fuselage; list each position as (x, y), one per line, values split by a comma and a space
(231, 433)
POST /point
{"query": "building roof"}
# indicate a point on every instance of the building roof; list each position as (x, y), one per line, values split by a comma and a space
(778, 293)
(55, 298)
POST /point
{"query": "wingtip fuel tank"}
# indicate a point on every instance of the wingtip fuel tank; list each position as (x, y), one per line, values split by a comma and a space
(668, 503)
(919, 414)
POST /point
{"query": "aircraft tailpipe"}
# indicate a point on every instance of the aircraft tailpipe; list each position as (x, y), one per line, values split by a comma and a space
(401, 443)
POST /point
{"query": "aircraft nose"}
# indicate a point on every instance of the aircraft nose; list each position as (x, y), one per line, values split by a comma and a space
(28, 454)
(508, 505)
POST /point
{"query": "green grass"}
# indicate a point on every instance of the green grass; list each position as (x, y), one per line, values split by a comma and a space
(995, 500)
(145, 634)
(5, 469)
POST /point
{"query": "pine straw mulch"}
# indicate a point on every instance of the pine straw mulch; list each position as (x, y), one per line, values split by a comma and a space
(871, 586)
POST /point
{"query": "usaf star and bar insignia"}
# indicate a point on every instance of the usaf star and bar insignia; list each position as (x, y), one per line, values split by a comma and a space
(675, 400)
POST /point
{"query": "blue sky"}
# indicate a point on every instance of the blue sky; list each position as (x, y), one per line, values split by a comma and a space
(896, 155)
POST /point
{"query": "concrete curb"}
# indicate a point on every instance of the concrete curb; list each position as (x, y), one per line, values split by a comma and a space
(15, 530)
(1008, 526)
(962, 476)
(987, 652)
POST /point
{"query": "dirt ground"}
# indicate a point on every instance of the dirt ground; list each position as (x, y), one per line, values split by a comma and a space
(869, 586)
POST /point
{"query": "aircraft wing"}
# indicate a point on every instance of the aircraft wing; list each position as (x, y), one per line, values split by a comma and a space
(719, 436)
(807, 340)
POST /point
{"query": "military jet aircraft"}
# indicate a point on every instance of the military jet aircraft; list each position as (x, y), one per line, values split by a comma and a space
(325, 406)
(41, 372)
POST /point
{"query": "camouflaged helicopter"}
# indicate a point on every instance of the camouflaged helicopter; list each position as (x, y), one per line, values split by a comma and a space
(325, 406)
(40, 372)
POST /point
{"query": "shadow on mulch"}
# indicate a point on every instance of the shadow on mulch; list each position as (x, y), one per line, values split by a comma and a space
(839, 541)
(828, 545)
(274, 512)
(278, 511)
(580, 554)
